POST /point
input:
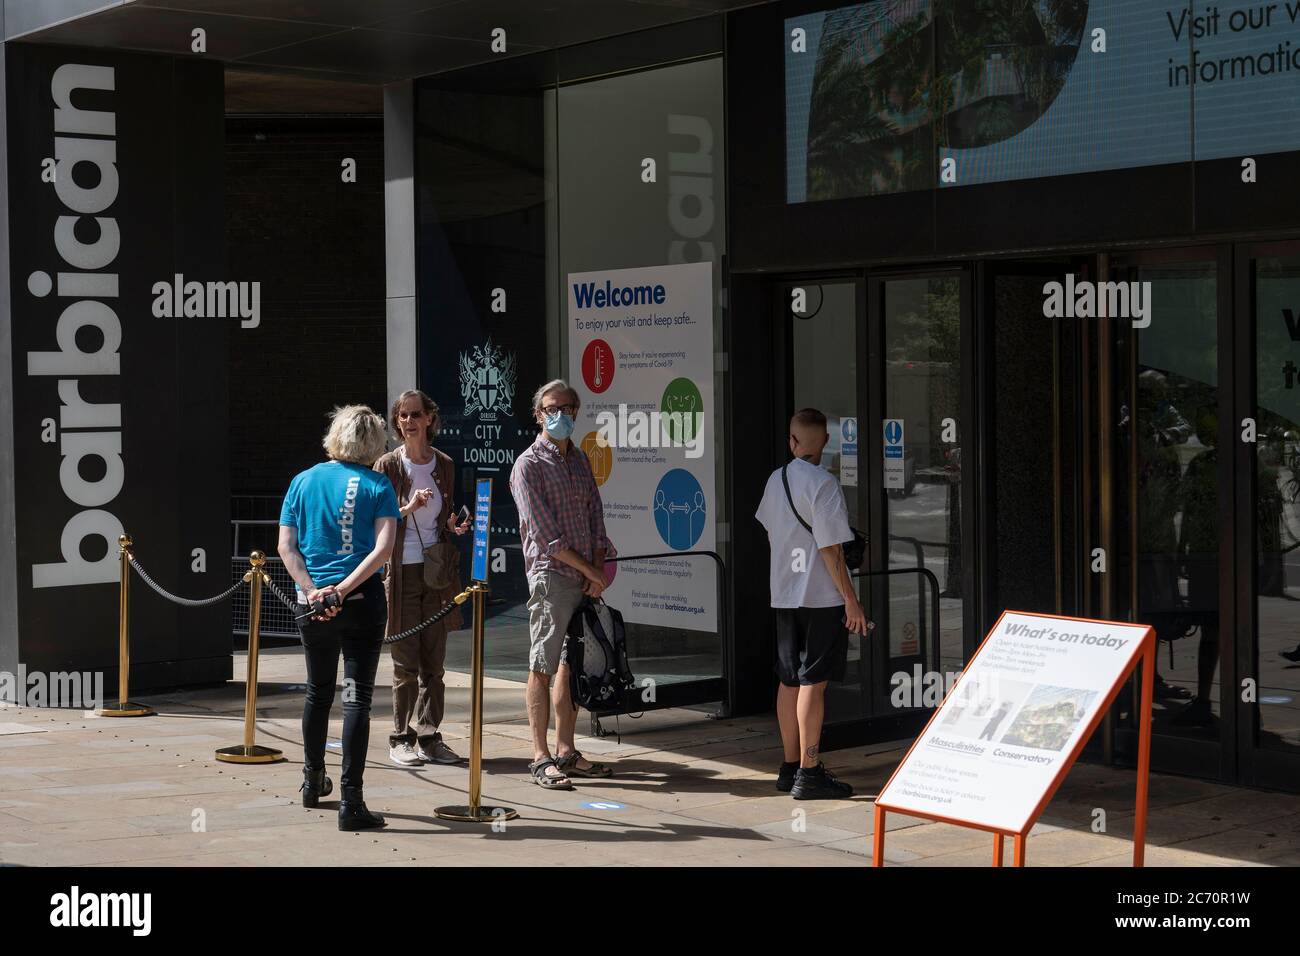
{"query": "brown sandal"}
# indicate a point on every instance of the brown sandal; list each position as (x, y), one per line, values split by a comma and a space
(568, 764)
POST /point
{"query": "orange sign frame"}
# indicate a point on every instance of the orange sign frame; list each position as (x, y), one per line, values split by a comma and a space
(1147, 658)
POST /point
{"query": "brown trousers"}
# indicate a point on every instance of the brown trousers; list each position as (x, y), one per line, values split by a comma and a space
(419, 696)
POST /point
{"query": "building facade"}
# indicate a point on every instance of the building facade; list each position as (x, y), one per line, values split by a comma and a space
(1038, 263)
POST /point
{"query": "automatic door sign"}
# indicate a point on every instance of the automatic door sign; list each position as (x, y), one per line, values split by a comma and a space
(849, 452)
(893, 459)
(1011, 727)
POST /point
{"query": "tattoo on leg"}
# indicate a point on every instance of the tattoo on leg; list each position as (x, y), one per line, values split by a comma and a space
(812, 753)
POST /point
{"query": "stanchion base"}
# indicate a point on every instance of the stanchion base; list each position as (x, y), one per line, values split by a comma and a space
(126, 708)
(254, 754)
(467, 814)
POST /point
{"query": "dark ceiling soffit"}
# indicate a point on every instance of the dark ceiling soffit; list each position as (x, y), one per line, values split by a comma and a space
(146, 27)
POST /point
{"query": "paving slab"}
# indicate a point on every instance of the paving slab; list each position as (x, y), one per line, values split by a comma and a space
(689, 790)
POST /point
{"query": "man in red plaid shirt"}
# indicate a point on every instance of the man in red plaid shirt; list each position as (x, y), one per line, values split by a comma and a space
(562, 530)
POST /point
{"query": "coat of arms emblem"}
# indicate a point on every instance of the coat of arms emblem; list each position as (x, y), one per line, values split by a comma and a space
(487, 381)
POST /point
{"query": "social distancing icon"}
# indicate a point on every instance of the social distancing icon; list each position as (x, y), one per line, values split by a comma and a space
(680, 510)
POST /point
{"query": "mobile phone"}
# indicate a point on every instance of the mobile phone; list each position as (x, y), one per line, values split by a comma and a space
(462, 515)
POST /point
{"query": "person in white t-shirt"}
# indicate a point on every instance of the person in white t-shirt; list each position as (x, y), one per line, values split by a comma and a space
(814, 600)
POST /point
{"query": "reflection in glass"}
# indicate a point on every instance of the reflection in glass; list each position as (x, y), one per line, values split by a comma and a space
(1176, 428)
(1277, 528)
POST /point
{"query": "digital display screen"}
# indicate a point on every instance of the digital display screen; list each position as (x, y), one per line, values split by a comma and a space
(899, 95)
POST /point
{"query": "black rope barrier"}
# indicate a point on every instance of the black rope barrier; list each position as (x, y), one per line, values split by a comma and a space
(186, 602)
(442, 612)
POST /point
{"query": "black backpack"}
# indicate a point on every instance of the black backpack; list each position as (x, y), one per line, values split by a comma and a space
(597, 655)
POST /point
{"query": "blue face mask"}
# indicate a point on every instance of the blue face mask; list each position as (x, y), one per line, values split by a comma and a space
(559, 426)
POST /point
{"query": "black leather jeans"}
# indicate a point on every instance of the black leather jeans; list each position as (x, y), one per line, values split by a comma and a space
(358, 631)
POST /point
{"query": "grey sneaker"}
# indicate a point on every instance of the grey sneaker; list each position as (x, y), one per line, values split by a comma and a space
(439, 752)
(404, 755)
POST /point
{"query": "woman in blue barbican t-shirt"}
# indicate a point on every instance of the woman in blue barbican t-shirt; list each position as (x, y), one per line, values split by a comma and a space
(337, 528)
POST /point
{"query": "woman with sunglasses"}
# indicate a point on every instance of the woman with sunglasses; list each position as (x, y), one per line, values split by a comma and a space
(424, 480)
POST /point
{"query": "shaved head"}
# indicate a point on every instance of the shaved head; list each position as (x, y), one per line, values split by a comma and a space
(808, 435)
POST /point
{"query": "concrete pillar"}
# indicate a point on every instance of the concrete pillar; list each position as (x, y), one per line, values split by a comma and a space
(399, 236)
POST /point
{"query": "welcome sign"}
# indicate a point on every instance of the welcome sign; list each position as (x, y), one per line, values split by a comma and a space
(641, 358)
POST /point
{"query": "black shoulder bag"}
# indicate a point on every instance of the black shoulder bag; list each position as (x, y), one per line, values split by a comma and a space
(854, 552)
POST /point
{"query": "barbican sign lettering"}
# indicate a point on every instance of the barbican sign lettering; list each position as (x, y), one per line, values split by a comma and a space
(86, 137)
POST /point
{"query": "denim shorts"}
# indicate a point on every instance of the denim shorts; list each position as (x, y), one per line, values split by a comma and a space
(552, 599)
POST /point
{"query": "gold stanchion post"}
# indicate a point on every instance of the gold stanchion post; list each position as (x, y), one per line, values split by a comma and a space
(475, 812)
(124, 707)
(248, 752)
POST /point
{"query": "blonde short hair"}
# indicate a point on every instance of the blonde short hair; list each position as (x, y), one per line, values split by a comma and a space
(356, 434)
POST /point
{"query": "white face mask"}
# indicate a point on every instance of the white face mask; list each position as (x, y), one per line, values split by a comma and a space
(559, 426)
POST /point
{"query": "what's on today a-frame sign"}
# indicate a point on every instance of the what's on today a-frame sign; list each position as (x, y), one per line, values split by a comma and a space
(995, 752)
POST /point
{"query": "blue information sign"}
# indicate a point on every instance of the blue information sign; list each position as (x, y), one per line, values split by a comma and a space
(482, 521)
(893, 438)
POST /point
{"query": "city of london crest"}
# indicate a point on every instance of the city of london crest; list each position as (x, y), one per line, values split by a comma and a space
(487, 381)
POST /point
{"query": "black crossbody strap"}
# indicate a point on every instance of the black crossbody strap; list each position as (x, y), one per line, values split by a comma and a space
(790, 498)
(416, 525)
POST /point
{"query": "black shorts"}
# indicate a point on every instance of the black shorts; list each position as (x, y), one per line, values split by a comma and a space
(812, 645)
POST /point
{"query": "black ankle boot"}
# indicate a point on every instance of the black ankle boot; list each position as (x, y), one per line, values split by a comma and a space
(314, 786)
(353, 814)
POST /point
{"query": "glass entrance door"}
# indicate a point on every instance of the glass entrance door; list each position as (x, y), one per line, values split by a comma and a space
(923, 458)
(822, 321)
(1269, 511)
(925, 483)
(899, 357)
(1165, 517)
